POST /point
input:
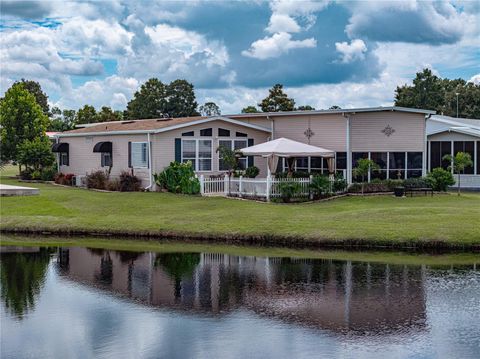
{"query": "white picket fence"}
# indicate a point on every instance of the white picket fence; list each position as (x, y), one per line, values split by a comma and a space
(251, 187)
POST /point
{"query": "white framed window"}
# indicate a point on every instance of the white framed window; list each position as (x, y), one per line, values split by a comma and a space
(199, 152)
(233, 145)
(106, 159)
(64, 160)
(139, 154)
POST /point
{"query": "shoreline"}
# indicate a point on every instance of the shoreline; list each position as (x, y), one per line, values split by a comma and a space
(277, 241)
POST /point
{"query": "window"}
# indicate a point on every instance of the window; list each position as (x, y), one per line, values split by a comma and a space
(240, 134)
(206, 132)
(139, 154)
(397, 165)
(355, 157)
(233, 145)
(467, 147)
(414, 164)
(478, 157)
(189, 133)
(341, 160)
(64, 159)
(199, 152)
(380, 158)
(106, 159)
(223, 132)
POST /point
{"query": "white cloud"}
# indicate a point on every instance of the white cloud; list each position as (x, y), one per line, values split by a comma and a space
(281, 22)
(276, 45)
(351, 52)
(475, 79)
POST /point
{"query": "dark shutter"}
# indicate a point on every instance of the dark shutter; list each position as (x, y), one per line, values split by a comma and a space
(178, 150)
(250, 161)
(129, 154)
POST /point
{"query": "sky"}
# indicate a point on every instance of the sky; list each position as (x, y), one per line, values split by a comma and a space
(350, 54)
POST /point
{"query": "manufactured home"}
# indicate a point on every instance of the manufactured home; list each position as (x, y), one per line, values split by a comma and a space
(394, 137)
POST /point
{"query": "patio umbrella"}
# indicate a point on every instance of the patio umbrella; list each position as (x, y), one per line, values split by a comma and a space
(284, 147)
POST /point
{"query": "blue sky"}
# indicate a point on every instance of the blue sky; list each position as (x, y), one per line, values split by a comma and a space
(324, 52)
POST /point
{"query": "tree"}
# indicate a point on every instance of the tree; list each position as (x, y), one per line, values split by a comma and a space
(458, 163)
(433, 93)
(106, 114)
(149, 102)
(59, 122)
(364, 165)
(305, 108)
(439, 179)
(36, 154)
(335, 107)
(87, 114)
(181, 99)
(21, 119)
(250, 109)
(277, 100)
(36, 90)
(209, 109)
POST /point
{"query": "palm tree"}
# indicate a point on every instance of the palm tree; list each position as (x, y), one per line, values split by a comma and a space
(364, 165)
(459, 162)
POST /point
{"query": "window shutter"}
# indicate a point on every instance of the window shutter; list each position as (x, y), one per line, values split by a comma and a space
(250, 161)
(129, 154)
(178, 150)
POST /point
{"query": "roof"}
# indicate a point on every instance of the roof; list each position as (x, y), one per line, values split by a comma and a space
(438, 124)
(151, 126)
(350, 110)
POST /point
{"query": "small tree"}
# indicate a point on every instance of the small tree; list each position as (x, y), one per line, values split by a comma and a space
(277, 100)
(459, 162)
(230, 161)
(250, 109)
(209, 109)
(36, 154)
(364, 165)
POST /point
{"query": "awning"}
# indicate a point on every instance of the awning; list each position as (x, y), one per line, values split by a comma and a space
(60, 147)
(103, 147)
(284, 147)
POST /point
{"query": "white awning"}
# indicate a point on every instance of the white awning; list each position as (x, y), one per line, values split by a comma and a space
(283, 147)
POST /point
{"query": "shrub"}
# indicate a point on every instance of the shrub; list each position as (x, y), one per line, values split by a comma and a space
(128, 182)
(63, 179)
(36, 154)
(114, 185)
(420, 182)
(339, 184)
(48, 174)
(376, 186)
(320, 185)
(26, 174)
(296, 174)
(440, 179)
(178, 178)
(252, 172)
(97, 179)
(288, 190)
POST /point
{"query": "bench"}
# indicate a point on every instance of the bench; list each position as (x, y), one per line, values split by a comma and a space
(412, 190)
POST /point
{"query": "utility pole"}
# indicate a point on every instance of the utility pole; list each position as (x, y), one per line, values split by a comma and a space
(456, 93)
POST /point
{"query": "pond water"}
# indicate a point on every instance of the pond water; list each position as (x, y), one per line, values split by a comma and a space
(85, 303)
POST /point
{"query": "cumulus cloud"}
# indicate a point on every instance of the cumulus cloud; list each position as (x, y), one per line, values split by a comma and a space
(276, 45)
(475, 79)
(355, 50)
(26, 9)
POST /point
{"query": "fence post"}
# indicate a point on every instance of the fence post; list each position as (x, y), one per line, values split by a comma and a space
(202, 185)
(225, 185)
(309, 188)
(269, 186)
(240, 187)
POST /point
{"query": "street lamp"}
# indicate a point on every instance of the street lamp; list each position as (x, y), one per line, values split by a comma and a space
(456, 94)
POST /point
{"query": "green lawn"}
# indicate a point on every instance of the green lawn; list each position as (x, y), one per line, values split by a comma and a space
(380, 220)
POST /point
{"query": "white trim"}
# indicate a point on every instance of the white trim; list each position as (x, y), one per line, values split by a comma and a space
(197, 158)
(463, 130)
(453, 121)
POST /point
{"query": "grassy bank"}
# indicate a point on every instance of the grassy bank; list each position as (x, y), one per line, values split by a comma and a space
(444, 220)
(168, 246)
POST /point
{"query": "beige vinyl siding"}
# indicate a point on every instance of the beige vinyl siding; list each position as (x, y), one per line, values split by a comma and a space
(366, 131)
(164, 148)
(82, 159)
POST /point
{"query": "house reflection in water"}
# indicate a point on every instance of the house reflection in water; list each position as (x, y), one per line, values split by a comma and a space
(333, 295)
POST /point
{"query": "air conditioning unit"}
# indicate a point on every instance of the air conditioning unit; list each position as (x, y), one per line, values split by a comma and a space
(80, 181)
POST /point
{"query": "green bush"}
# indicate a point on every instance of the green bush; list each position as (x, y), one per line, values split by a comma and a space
(439, 179)
(97, 179)
(48, 174)
(128, 182)
(339, 184)
(420, 182)
(289, 190)
(376, 185)
(295, 174)
(252, 172)
(320, 186)
(178, 178)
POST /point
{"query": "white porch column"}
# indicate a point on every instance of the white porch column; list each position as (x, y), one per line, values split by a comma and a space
(475, 160)
(269, 186)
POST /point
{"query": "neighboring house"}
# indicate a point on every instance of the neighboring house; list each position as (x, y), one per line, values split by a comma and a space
(449, 135)
(394, 137)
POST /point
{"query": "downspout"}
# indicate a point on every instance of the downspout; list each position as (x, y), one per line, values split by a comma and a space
(425, 150)
(150, 163)
(272, 127)
(58, 156)
(349, 156)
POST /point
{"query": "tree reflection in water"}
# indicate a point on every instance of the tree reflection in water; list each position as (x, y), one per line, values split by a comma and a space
(178, 266)
(22, 277)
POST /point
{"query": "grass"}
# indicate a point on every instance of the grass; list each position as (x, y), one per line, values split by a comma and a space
(167, 246)
(444, 220)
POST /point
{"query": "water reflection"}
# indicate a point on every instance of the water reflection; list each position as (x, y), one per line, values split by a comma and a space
(334, 295)
(22, 273)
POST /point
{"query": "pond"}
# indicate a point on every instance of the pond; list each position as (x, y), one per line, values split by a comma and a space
(74, 302)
